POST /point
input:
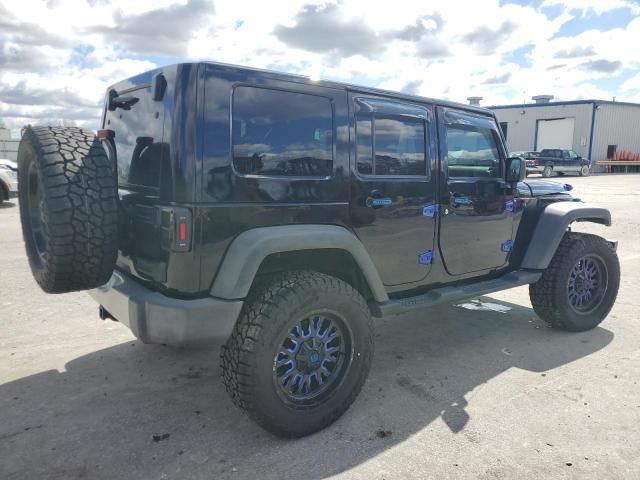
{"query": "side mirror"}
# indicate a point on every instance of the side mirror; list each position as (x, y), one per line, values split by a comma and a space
(516, 169)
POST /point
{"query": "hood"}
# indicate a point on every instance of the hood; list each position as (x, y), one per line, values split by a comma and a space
(538, 188)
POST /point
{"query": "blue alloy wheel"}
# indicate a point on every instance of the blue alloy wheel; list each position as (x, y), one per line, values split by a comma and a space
(313, 359)
(587, 284)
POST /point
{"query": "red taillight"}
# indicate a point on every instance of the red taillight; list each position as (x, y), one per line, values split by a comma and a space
(182, 228)
(183, 231)
(106, 134)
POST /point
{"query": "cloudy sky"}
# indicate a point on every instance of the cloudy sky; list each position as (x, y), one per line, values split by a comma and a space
(58, 56)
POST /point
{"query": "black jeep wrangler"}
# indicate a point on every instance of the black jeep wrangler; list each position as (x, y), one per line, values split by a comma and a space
(281, 214)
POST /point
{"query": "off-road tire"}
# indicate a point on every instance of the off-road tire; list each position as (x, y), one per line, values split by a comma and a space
(4, 193)
(68, 208)
(547, 171)
(247, 358)
(549, 294)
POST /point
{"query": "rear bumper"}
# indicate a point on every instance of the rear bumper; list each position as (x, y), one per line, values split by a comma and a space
(156, 318)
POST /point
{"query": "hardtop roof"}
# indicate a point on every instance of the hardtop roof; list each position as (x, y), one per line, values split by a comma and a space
(358, 88)
(326, 83)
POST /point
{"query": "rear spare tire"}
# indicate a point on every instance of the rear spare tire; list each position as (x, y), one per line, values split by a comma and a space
(68, 208)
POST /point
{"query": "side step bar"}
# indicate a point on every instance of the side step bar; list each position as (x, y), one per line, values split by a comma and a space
(461, 292)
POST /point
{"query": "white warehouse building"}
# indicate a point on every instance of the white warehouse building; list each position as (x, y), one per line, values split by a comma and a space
(594, 129)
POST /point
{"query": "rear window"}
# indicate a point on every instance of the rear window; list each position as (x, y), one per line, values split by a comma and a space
(139, 148)
(551, 153)
(282, 133)
(390, 145)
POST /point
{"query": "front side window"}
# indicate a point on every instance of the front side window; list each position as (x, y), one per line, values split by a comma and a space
(390, 145)
(472, 151)
(281, 133)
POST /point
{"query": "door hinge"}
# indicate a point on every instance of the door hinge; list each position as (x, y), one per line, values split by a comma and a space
(506, 246)
(427, 257)
(430, 210)
(510, 206)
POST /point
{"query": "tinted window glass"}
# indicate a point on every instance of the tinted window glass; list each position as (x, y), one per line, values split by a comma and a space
(398, 145)
(472, 151)
(139, 148)
(364, 143)
(282, 133)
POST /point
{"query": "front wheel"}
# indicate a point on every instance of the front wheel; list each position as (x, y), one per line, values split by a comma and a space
(584, 171)
(578, 289)
(548, 170)
(299, 353)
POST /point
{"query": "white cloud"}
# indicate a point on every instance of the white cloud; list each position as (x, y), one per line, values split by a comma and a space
(58, 57)
(598, 6)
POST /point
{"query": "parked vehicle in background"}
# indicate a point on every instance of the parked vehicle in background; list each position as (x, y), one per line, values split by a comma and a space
(281, 214)
(531, 160)
(8, 179)
(556, 160)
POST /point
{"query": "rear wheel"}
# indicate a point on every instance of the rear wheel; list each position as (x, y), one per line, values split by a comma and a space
(548, 170)
(580, 286)
(300, 352)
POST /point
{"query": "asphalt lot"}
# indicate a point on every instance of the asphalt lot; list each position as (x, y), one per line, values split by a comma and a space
(453, 393)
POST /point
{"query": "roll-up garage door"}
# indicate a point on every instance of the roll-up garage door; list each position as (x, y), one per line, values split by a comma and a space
(557, 133)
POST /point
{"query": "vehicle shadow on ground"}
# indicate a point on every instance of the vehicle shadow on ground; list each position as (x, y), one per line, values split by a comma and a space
(144, 411)
(7, 205)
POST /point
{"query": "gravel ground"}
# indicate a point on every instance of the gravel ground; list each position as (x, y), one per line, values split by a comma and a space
(453, 393)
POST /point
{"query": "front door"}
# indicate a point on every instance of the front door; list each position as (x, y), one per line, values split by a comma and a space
(393, 185)
(476, 225)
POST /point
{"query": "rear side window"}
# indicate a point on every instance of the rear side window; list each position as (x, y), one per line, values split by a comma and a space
(390, 145)
(472, 151)
(281, 133)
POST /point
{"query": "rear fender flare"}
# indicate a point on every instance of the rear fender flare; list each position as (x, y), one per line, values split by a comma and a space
(247, 251)
(551, 227)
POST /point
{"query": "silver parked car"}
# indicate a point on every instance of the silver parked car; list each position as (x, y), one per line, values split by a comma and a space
(8, 179)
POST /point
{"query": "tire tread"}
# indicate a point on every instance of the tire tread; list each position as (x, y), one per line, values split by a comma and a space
(237, 357)
(78, 208)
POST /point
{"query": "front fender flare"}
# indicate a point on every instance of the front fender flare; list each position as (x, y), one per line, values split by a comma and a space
(248, 250)
(553, 223)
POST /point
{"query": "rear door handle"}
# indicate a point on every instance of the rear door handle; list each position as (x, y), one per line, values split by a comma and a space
(373, 202)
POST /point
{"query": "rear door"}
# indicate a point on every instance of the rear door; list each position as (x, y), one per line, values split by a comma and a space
(138, 121)
(476, 222)
(138, 124)
(393, 185)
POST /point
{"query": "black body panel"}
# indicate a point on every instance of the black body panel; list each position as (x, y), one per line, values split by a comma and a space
(231, 172)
